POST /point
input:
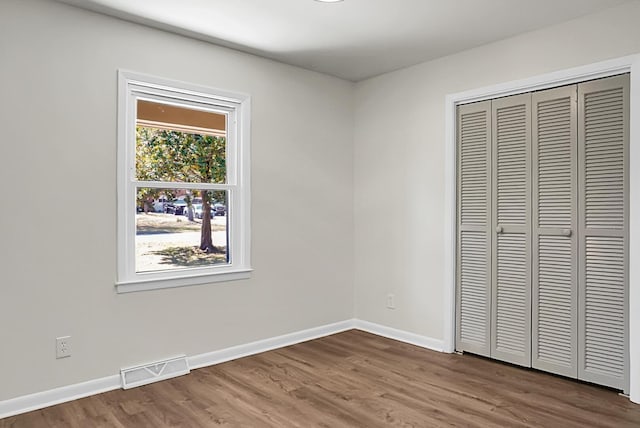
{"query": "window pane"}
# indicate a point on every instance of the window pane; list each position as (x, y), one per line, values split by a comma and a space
(174, 231)
(180, 144)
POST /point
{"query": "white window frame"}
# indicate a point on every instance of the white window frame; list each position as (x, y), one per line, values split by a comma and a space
(237, 107)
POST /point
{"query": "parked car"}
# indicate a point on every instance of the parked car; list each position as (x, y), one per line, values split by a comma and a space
(197, 210)
(160, 204)
(218, 209)
(177, 207)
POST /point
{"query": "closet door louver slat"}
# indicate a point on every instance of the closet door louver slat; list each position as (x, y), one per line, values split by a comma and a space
(603, 157)
(474, 239)
(510, 318)
(554, 275)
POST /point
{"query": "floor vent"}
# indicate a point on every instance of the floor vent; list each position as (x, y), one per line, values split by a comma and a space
(154, 372)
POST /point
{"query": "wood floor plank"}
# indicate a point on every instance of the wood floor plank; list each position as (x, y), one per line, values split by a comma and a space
(351, 379)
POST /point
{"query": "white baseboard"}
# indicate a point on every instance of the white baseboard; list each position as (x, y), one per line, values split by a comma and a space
(235, 352)
(40, 400)
(400, 335)
(51, 397)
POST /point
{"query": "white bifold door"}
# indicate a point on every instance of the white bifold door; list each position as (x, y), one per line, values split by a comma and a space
(554, 233)
(542, 251)
(511, 224)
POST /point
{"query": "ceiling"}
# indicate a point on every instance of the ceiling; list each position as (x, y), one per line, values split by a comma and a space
(352, 39)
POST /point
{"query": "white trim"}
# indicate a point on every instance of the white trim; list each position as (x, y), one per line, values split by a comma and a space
(184, 281)
(450, 210)
(592, 71)
(40, 400)
(257, 347)
(634, 233)
(198, 92)
(237, 108)
(400, 335)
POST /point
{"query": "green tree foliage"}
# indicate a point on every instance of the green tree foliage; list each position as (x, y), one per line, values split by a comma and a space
(165, 155)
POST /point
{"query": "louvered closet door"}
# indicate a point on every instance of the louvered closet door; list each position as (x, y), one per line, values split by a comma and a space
(474, 238)
(554, 270)
(511, 280)
(603, 139)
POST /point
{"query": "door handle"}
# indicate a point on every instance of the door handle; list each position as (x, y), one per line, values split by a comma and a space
(499, 229)
(566, 232)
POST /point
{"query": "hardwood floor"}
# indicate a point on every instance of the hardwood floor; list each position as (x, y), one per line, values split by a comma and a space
(351, 379)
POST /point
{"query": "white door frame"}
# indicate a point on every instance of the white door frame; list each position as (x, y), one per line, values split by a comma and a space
(628, 64)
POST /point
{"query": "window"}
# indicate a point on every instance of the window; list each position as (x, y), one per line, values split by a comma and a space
(183, 184)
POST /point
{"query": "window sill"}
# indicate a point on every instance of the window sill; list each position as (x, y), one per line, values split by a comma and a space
(183, 281)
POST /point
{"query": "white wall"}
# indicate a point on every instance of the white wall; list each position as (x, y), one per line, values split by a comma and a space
(399, 155)
(57, 225)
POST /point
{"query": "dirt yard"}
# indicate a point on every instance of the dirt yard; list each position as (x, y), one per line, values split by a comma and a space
(168, 241)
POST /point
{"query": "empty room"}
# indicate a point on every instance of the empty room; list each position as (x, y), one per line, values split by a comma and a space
(315, 213)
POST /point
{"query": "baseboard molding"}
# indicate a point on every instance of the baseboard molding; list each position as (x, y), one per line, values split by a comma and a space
(400, 335)
(235, 352)
(40, 400)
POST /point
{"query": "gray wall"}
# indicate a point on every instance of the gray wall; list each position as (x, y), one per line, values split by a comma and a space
(58, 230)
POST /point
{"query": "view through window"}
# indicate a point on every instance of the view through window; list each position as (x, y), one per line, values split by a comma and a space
(179, 226)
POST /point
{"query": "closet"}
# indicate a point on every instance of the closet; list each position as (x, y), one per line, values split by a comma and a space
(542, 230)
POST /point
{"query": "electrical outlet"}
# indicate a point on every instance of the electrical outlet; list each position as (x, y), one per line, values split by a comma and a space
(63, 347)
(391, 301)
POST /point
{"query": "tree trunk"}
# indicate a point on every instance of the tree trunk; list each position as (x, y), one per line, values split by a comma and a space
(206, 238)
